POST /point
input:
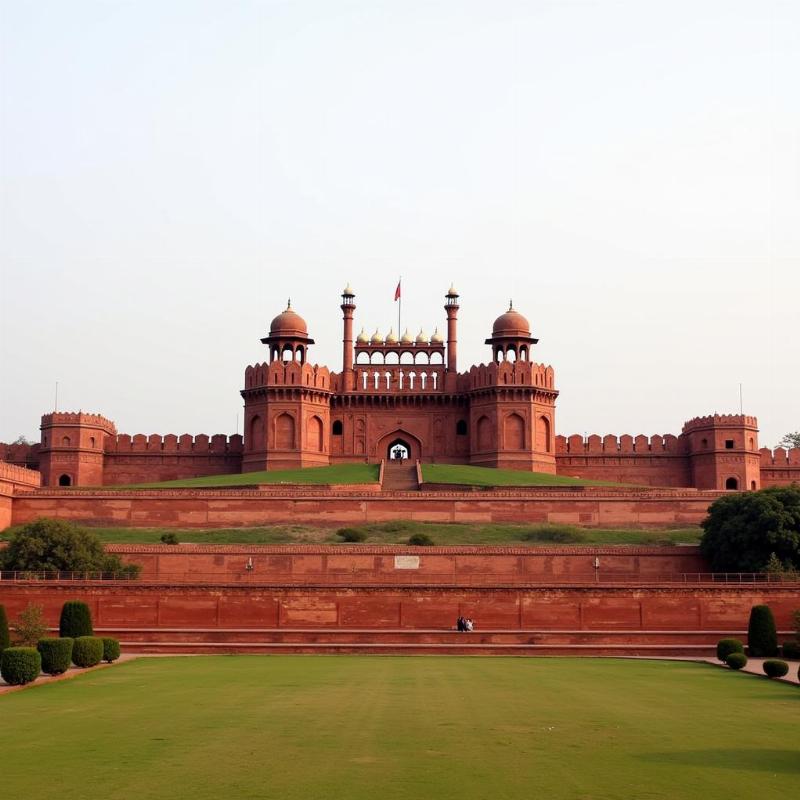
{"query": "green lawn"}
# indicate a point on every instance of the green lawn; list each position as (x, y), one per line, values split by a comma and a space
(398, 531)
(338, 474)
(486, 476)
(302, 728)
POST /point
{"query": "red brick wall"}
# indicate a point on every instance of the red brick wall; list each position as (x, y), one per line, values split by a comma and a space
(603, 608)
(599, 507)
(13, 478)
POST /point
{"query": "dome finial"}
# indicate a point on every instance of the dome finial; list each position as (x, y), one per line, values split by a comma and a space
(288, 303)
(510, 305)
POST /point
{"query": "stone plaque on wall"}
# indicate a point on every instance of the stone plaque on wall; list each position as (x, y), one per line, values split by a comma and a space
(406, 562)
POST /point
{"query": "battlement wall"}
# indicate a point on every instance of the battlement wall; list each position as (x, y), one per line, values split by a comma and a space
(153, 458)
(12, 478)
(643, 460)
(779, 467)
(23, 455)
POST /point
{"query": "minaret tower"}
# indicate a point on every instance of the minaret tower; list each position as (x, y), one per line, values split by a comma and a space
(348, 308)
(451, 309)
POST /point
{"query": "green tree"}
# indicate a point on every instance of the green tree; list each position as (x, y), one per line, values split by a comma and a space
(790, 440)
(762, 636)
(30, 626)
(5, 639)
(59, 546)
(743, 530)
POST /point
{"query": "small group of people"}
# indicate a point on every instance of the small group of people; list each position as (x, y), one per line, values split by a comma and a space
(463, 624)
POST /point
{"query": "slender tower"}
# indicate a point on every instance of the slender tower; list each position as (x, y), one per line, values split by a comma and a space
(348, 307)
(451, 308)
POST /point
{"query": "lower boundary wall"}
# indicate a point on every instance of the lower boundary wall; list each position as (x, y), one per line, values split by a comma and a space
(644, 619)
(594, 507)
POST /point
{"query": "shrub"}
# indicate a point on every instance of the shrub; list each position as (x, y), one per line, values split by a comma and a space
(60, 546)
(727, 646)
(744, 529)
(553, 533)
(56, 655)
(791, 650)
(351, 534)
(110, 649)
(76, 620)
(169, 538)
(774, 668)
(19, 665)
(30, 626)
(5, 639)
(736, 660)
(762, 637)
(87, 651)
(420, 540)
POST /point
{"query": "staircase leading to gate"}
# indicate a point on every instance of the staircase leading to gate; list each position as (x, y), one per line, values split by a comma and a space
(399, 476)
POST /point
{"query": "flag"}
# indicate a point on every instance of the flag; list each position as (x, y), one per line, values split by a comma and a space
(397, 291)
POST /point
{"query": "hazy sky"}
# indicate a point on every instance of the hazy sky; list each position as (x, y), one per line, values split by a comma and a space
(172, 171)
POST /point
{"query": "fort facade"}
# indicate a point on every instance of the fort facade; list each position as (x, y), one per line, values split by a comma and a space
(403, 395)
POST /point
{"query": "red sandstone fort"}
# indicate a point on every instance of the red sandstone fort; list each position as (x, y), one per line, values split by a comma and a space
(403, 395)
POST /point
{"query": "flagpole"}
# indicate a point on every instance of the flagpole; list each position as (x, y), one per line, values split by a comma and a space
(399, 307)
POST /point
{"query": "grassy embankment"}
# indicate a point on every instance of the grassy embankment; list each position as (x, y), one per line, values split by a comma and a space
(398, 531)
(296, 727)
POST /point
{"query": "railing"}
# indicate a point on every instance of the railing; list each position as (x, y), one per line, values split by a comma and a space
(401, 577)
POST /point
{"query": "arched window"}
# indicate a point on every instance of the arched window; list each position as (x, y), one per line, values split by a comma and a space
(91, 441)
(337, 428)
(406, 357)
(485, 437)
(314, 430)
(437, 358)
(362, 358)
(461, 427)
(284, 432)
(732, 483)
(255, 441)
(514, 432)
(704, 444)
(300, 354)
(287, 354)
(753, 485)
(377, 357)
(65, 480)
(65, 441)
(421, 358)
(392, 358)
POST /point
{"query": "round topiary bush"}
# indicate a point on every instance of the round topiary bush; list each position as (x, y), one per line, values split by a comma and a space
(727, 646)
(110, 649)
(76, 620)
(775, 668)
(791, 650)
(736, 660)
(420, 540)
(20, 665)
(56, 655)
(5, 639)
(87, 651)
(762, 636)
(351, 535)
(169, 538)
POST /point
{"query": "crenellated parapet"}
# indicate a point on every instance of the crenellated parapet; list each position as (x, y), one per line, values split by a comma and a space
(621, 445)
(780, 457)
(508, 373)
(720, 421)
(201, 444)
(79, 418)
(292, 373)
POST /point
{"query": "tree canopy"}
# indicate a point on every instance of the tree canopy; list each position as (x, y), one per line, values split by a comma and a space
(59, 546)
(743, 530)
(790, 440)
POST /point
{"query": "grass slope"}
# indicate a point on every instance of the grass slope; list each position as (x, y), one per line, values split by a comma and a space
(398, 531)
(337, 474)
(487, 476)
(301, 728)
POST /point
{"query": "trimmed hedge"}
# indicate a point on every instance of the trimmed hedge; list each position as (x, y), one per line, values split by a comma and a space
(76, 620)
(775, 668)
(5, 638)
(736, 660)
(791, 650)
(110, 649)
(56, 655)
(20, 665)
(762, 636)
(87, 651)
(727, 646)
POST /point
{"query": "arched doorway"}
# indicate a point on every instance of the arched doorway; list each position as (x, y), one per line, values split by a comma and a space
(65, 480)
(398, 450)
(410, 445)
(732, 484)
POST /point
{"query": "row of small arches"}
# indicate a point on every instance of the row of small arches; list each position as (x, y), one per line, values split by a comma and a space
(393, 357)
(398, 380)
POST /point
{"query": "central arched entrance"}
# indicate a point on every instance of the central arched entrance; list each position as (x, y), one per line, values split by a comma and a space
(398, 450)
(409, 445)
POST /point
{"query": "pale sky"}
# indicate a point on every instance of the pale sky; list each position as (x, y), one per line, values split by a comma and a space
(627, 172)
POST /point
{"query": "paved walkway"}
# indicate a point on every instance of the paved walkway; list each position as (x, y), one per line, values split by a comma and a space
(754, 667)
